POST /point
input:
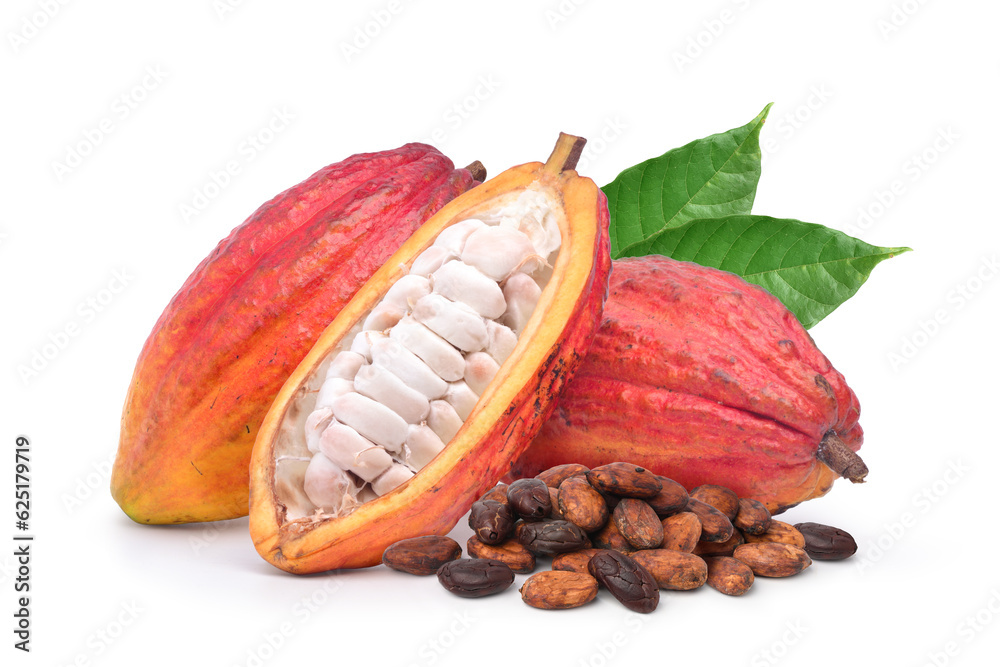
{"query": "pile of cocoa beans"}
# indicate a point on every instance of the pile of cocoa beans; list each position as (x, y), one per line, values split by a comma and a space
(621, 527)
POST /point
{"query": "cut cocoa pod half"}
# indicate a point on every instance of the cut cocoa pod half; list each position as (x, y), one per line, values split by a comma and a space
(419, 395)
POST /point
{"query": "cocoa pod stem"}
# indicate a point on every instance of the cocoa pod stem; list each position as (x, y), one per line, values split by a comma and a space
(478, 171)
(839, 457)
(566, 153)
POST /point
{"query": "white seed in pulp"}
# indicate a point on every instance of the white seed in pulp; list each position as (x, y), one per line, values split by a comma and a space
(405, 365)
(455, 322)
(363, 342)
(443, 420)
(380, 385)
(480, 368)
(422, 445)
(331, 390)
(435, 351)
(371, 419)
(454, 236)
(352, 451)
(316, 422)
(460, 282)
(499, 251)
(396, 475)
(430, 260)
(462, 398)
(407, 291)
(345, 365)
(522, 294)
(501, 341)
(328, 485)
(383, 316)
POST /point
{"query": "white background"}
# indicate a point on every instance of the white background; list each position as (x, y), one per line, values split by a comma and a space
(861, 89)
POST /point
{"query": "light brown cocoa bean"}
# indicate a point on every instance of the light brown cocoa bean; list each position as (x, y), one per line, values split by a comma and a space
(559, 589)
(715, 526)
(673, 570)
(609, 537)
(719, 497)
(575, 561)
(421, 555)
(581, 504)
(753, 517)
(720, 548)
(773, 559)
(511, 553)
(671, 499)
(728, 575)
(624, 479)
(781, 532)
(638, 523)
(681, 532)
(555, 512)
(556, 475)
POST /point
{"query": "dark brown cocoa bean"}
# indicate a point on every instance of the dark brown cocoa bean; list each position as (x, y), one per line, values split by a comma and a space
(609, 537)
(624, 479)
(826, 542)
(556, 475)
(498, 493)
(781, 532)
(773, 559)
(629, 582)
(574, 561)
(529, 498)
(673, 570)
(475, 578)
(511, 553)
(421, 555)
(552, 537)
(581, 504)
(671, 499)
(719, 497)
(728, 575)
(715, 526)
(719, 548)
(559, 589)
(638, 523)
(681, 532)
(753, 517)
(492, 521)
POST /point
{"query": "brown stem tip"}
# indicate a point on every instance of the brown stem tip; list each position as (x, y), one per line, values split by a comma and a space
(839, 457)
(566, 153)
(478, 171)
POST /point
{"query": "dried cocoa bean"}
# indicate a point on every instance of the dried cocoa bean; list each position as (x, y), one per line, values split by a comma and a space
(556, 511)
(475, 578)
(552, 537)
(638, 523)
(781, 532)
(773, 559)
(672, 498)
(574, 561)
(629, 582)
(681, 532)
(559, 589)
(421, 555)
(498, 493)
(609, 537)
(728, 575)
(511, 553)
(581, 504)
(715, 526)
(719, 497)
(492, 521)
(673, 570)
(719, 548)
(753, 517)
(826, 542)
(624, 479)
(529, 498)
(556, 475)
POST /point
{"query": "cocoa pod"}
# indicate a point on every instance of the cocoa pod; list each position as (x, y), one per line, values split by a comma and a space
(559, 589)
(672, 498)
(781, 532)
(826, 542)
(753, 517)
(421, 555)
(718, 497)
(246, 317)
(673, 570)
(581, 504)
(715, 527)
(728, 575)
(556, 475)
(638, 523)
(492, 521)
(713, 381)
(681, 532)
(610, 537)
(574, 561)
(548, 538)
(625, 480)
(720, 548)
(772, 559)
(475, 578)
(511, 553)
(630, 583)
(529, 498)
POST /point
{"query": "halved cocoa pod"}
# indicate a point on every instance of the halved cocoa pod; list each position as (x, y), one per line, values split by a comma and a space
(782, 532)
(559, 589)
(581, 504)
(713, 381)
(728, 575)
(511, 553)
(625, 480)
(726, 548)
(248, 315)
(556, 233)
(719, 497)
(673, 570)
(773, 559)
(609, 537)
(421, 555)
(753, 517)
(715, 526)
(681, 532)
(826, 542)
(638, 523)
(556, 475)
(671, 499)
(574, 561)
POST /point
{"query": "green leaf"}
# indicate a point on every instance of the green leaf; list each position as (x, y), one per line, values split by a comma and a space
(812, 269)
(707, 178)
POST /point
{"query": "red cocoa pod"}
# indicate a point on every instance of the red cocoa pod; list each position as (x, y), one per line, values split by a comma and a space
(728, 575)
(718, 497)
(681, 532)
(713, 381)
(753, 518)
(248, 315)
